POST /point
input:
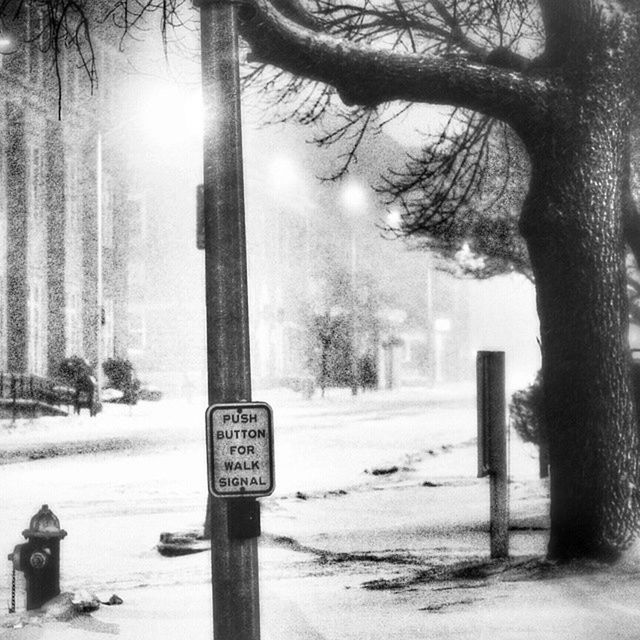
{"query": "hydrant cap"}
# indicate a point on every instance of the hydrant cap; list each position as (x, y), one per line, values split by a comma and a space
(44, 524)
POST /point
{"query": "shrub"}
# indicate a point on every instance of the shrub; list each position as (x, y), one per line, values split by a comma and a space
(74, 368)
(121, 377)
(526, 412)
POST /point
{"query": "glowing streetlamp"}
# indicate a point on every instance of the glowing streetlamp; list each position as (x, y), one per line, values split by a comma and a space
(8, 42)
(394, 220)
(7, 46)
(99, 281)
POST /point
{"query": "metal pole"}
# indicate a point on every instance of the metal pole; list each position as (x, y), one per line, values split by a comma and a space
(492, 445)
(354, 325)
(99, 281)
(234, 562)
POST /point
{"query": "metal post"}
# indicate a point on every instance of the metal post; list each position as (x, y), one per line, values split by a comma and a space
(234, 562)
(354, 324)
(492, 445)
(99, 279)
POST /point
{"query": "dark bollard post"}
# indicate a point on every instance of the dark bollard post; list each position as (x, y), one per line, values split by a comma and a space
(492, 445)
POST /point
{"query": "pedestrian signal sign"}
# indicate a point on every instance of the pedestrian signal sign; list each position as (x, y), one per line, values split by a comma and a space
(240, 450)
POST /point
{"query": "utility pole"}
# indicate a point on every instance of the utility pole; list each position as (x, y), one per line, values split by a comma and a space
(234, 560)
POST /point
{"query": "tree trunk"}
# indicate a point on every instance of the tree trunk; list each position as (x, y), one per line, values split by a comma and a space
(571, 106)
(573, 225)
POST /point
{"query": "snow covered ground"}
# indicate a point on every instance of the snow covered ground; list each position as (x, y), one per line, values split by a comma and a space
(346, 551)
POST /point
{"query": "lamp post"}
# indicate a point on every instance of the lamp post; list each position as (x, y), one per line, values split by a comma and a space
(99, 280)
(354, 198)
(354, 350)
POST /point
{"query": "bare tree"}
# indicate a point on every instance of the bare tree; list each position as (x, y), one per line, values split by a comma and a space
(74, 24)
(460, 198)
(457, 194)
(562, 75)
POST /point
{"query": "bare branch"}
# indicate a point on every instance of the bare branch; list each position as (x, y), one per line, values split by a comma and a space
(368, 75)
(461, 198)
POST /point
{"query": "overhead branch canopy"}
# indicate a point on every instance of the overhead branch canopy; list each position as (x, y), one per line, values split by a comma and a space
(365, 74)
(505, 59)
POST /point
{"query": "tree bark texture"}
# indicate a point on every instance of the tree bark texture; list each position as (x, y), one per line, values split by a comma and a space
(578, 262)
(573, 223)
(572, 107)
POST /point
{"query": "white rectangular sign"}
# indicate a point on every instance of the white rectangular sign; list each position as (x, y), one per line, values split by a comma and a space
(240, 449)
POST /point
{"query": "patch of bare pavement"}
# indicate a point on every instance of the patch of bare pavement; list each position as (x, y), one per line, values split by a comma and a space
(452, 593)
(426, 572)
(475, 598)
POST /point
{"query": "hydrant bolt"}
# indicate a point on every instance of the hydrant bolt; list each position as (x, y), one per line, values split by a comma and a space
(38, 559)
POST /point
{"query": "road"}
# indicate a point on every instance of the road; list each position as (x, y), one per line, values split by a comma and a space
(114, 504)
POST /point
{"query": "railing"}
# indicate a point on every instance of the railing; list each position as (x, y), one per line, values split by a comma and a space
(19, 389)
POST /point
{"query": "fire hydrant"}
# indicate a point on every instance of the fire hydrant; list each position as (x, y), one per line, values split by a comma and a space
(39, 557)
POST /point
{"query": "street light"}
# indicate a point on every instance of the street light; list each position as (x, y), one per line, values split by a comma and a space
(354, 198)
(99, 282)
(9, 42)
(393, 221)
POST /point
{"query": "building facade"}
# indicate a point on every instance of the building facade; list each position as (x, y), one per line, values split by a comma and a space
(53, 233)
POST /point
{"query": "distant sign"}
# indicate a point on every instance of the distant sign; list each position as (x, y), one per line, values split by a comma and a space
(240, 449)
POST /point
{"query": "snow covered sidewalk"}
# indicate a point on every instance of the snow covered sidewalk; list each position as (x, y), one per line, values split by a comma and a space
(434, 581)
(378, 528)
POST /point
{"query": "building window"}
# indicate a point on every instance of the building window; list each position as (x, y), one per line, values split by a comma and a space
(108, 333)
(73, 192)
(36, 182)
(37, 326)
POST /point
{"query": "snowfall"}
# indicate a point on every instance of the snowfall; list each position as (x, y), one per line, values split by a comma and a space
(378, 527)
